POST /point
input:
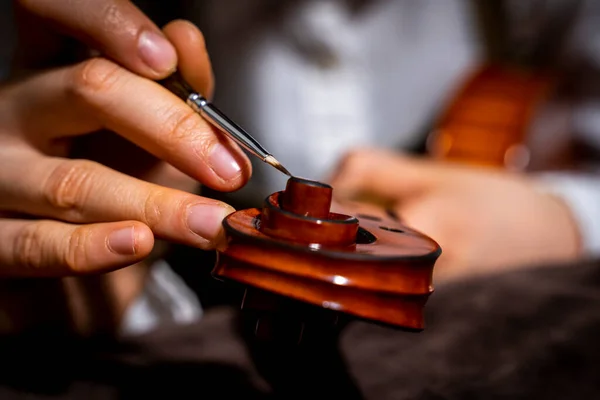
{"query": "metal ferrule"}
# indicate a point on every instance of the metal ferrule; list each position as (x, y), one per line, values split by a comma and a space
(214, 116)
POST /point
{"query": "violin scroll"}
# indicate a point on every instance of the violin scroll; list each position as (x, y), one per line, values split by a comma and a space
(295, 247)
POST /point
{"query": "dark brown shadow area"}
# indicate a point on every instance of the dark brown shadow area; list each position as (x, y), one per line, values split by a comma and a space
(202, 361)
(520, 335)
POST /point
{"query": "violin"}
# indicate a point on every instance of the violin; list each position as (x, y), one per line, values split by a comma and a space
(301, 252)
(309, 267)
(510, 112)
(490, 121)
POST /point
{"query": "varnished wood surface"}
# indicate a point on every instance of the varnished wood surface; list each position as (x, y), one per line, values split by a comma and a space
(488, 120)
(369, 266)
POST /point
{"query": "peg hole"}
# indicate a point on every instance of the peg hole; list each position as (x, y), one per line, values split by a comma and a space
(363, 236)
(385, 228)
(369, 217)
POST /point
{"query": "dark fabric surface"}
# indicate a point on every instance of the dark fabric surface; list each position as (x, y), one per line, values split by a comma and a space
(523, 335)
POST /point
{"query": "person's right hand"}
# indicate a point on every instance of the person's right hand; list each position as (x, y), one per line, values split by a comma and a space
(72, 216)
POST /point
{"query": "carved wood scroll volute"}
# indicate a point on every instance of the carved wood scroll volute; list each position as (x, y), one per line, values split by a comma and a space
(371, 267)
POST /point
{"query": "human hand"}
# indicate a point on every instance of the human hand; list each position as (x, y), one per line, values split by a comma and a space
(120, 31)
(116, 29)
(69, 217)
(484, 220)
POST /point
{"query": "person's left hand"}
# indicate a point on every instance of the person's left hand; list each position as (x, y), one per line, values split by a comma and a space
(68, 183)
(484, 220)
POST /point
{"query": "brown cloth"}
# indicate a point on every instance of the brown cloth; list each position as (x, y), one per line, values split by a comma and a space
(531, 334)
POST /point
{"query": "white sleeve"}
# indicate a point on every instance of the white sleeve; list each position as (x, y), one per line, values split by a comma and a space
(581, 193)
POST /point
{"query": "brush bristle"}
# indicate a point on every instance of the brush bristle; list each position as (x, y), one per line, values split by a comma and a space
(276, 164)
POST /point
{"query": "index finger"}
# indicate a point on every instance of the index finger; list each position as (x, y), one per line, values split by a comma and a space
(116, 28)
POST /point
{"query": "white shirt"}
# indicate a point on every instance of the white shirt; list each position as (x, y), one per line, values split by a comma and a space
(397, 64)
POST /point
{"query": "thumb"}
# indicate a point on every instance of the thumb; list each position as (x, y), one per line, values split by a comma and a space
(116, 28)
(381, 176)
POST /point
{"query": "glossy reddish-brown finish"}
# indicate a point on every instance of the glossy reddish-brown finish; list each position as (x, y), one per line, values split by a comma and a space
(488, 119)
(307, 198)
(368, 266)
(337, 230)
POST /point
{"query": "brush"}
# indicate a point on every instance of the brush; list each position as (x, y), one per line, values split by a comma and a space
(178, 86)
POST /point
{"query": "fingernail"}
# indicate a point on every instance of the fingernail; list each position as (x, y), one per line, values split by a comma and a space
(223, 163)
(122, 241)
(206, 220)
(157, 52)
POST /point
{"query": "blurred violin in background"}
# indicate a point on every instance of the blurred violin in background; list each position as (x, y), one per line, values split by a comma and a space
(508, 113)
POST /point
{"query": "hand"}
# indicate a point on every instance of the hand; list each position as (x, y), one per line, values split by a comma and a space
(116, 29)
(70, 217)
(484, 220)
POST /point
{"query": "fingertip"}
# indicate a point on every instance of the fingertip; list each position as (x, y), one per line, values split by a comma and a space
(117, 29)
(228, 209)
(130, 241)
(186, 30)
(230, 164)
(205, 220)
(143, 240)
(157, 53)
(245, 173)
(193, 58)
(220, 241)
